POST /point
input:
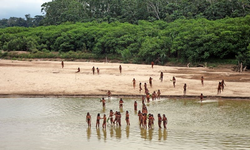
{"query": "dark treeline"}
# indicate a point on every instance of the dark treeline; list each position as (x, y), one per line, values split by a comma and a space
(185, 40)
(28, 21)
(60, 11)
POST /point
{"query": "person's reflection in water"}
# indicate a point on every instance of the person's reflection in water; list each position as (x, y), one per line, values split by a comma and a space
(165, 134)
(150, 134)
(111, 131)
(98, 133)
(88, 133)
(135, 112)
(220, 103)
(159, 134)
(185, 102)
(127, 131)
(121, 109)
(104, 134)
(143, 133)
(118, 132)
(103, 109)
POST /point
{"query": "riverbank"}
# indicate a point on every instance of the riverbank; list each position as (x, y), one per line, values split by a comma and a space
(47, 78)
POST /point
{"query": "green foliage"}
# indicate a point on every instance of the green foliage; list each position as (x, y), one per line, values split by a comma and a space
(185, 40)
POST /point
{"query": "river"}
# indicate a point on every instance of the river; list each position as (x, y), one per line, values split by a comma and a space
(59, 123)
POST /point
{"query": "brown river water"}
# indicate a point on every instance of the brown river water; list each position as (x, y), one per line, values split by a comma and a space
(59, 123)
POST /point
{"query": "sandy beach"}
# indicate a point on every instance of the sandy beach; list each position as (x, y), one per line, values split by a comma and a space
(48, 78)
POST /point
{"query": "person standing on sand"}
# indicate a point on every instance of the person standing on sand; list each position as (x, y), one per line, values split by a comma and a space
(88, 119)
(93, 70)
(140, 88)
(174, 80)
(219, 88)
(97, 70)
(158, 94)
(152, 64)
(202, 80)
(150, 81)
(120, 68)
(161, 76)
(62, 64)
(222, 84)
(134, 82)
(184, 89)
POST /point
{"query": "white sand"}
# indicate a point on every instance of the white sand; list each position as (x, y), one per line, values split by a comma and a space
(48, 78)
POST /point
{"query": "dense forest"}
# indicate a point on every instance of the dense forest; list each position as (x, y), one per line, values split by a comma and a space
(131, 11)
(138, 31)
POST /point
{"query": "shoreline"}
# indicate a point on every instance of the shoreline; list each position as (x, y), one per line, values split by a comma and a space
(119, 96)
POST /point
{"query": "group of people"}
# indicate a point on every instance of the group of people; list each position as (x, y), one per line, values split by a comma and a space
(147, 119)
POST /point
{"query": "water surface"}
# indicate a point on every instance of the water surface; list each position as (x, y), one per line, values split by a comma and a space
(59, 123)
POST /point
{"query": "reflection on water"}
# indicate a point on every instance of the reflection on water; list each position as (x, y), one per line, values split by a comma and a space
(59, 123)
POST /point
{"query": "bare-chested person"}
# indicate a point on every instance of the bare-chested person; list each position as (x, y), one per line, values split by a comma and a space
(165, 121)
(111, 114)
(78, 70)
(134, 82)
(145, 86)
(184, 89)
(97, 70)
(161, 76)
(116, 116)
(148, 97)
(150, 81)
(98, 117)
(152, 64)
(88, 119)
(219, 88)
(159, 120)
(222, 85)
(174, 81)
(140, 88)
(143, 100)
(119, 118)
(140, 117)
(121, 103)
(103, 102)
(201, 97)
(202, 80)
(104, 121)
(135, 106)
(144, 120)
(93, 70)
(62, 64)
(158, 94)
(154, 95)
(120, 68)
(150, 121)
(127, 118)
(109, 94)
